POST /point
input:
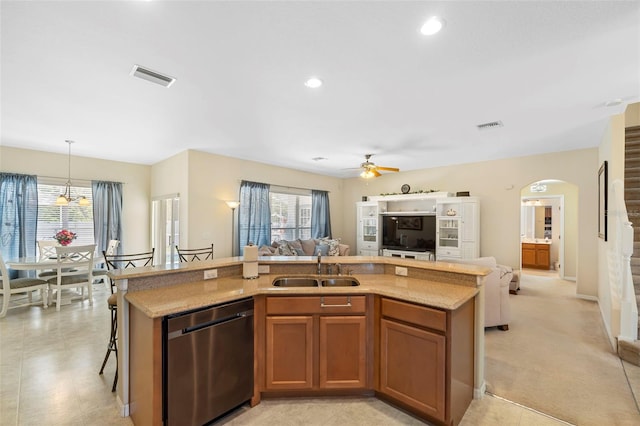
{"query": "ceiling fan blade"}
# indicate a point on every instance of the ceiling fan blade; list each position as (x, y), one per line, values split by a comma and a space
(375, 173)
(388, 169)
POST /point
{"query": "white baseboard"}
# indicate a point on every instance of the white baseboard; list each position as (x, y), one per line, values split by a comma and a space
(124, 408)
(479, 393)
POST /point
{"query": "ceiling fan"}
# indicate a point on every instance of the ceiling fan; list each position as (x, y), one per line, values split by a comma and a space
(370, 170)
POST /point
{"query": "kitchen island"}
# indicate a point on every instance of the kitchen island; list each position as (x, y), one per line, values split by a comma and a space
(431, 308)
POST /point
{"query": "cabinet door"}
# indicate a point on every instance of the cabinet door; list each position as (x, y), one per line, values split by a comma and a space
(342, 352)
(542, 256)
(412, 367)
(528, 255)
(289, 352)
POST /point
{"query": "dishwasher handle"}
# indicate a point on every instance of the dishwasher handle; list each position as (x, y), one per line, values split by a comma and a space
(212, 323)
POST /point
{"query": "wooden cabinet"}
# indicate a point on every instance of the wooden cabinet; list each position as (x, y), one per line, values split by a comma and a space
(535, 256)
(316, 342)
(289, 341)
(426, 359)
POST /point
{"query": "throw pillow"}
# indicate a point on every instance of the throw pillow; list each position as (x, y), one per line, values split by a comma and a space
(285, 250)
(334, 249)
(323, 249)
(266, 251)
(296, 247)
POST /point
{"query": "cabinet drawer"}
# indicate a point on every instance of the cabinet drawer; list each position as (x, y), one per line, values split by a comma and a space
(369, 245)
(440, 251)
(292, 305)
(418, 315)
(529, 246)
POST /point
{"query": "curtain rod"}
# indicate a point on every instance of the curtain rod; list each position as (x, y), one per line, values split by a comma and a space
(77, 180)
(283, 186)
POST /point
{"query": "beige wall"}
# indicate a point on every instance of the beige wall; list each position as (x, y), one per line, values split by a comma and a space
(136, 179)
(214, 179)
(498, 185)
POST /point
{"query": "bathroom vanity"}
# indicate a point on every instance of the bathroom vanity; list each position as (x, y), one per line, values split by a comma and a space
(536, 255)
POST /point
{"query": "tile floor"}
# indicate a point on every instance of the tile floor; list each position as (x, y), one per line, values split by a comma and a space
(49, 364)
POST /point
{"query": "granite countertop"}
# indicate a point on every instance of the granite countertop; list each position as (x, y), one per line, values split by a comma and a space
(158, 302)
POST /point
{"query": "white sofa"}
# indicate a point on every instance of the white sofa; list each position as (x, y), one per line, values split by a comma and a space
(497, 310)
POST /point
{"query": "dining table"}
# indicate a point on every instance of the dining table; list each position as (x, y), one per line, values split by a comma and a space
(36, 263)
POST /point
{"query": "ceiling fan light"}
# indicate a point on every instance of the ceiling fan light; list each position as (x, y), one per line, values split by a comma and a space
(367, 174)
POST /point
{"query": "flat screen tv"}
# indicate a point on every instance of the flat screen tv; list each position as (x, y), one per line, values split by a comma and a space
(409, 233)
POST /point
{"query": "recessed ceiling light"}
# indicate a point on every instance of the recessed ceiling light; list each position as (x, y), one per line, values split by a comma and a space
(313, 83)
(319, 158)
(433, 25)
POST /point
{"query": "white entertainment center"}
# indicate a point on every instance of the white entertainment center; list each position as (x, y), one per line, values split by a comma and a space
(422, 226)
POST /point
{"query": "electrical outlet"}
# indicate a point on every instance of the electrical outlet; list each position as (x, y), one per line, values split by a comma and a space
(401, 271)
(263, 269)
(211, 273)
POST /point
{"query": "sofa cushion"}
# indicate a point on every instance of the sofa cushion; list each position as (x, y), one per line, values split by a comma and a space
(308, 247)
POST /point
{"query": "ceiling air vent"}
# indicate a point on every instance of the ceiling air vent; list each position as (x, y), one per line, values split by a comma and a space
(491, 125)
(152, 76)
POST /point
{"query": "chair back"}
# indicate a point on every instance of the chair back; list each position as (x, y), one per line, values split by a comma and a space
(74, 261)
(4, 277)
(47, 249)
(124, 261)
(190, 255)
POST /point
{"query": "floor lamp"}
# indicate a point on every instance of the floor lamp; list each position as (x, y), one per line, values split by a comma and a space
(232, 205)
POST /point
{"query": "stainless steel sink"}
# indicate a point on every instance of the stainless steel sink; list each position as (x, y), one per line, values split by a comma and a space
(315, 282)
(339, 282)
(296, 282)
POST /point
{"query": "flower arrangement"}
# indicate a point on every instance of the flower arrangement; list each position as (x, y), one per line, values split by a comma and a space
(65, 237)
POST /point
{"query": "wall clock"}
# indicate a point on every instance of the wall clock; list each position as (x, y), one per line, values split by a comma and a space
(405, 188)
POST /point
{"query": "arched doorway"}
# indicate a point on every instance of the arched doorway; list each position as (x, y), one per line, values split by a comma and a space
(548, 218)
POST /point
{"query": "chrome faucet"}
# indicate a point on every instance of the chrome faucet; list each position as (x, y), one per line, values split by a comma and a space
(319, 264)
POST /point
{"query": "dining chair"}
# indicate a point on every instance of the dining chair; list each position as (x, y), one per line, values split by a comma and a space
(47, 250)
(74, 270)
(120, 261)
(100, 274)
(190, 255)
(17, 286)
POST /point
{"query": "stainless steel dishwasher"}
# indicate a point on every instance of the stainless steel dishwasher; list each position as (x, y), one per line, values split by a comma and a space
(208, 362)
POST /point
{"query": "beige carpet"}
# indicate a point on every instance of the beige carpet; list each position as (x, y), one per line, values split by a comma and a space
(556, 358)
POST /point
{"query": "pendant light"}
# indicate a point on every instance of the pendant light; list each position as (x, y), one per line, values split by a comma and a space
(65, 199)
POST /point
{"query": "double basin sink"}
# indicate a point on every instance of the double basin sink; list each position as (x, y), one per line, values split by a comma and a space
(338, 281)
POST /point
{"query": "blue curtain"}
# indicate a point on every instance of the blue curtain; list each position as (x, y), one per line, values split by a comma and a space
(107, 213)
(320, 216)
(18, 216)
(254, 215)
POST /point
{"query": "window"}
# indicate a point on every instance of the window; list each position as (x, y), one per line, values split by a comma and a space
(290, 214)
(52, 218)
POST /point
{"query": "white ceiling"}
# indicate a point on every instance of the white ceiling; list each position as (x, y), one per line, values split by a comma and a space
(545, 69)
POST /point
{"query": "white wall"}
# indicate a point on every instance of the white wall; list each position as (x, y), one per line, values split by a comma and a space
(135, 177)
(498, 184)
